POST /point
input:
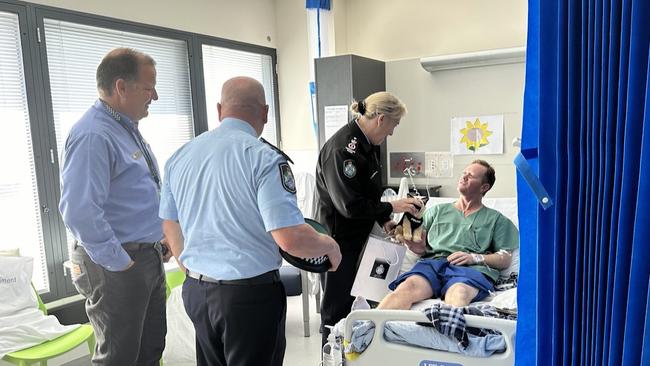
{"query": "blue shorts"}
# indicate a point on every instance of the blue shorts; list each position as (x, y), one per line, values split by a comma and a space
(441, 275)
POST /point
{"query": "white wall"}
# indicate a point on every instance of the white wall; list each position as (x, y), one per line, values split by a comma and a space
(250, 21)
(390, 30)
(433, 99)
(400, 32)
(293, 75)
(382, 29)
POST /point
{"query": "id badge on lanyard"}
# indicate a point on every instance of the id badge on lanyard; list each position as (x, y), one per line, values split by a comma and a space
(139, 142)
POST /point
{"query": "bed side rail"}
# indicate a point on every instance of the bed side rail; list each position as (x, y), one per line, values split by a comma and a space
(380, 317)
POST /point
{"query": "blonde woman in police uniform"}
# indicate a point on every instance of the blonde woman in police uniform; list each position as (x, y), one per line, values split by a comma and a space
(348, 191)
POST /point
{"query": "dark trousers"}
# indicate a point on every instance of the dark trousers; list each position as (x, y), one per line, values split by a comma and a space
(126, 309)
(337, 300)
(237, 324)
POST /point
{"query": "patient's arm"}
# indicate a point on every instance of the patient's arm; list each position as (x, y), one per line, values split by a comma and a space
(499, 260)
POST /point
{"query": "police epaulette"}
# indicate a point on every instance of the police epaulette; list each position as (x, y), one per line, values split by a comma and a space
(278, 150)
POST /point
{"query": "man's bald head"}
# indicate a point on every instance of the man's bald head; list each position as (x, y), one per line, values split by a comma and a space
(243, 98)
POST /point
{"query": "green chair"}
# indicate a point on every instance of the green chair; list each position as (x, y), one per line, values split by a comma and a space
(173, 279)
(56, 347)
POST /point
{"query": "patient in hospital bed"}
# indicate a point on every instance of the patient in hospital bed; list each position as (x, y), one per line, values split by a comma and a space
(465, 247)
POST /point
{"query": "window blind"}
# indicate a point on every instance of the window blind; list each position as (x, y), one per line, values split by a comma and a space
(73, 53)
(221, 64)
(20, 216)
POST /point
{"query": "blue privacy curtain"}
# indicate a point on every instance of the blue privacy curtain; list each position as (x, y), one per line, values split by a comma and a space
(585, 261)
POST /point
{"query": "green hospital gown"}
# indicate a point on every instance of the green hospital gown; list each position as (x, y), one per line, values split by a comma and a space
(485, 231)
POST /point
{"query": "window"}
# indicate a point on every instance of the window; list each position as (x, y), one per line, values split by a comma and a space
(75, 50)
(48, 61)
(221, 64)
(20, 216)
(73, 53)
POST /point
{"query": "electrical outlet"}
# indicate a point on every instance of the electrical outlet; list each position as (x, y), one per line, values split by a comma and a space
(439, 164)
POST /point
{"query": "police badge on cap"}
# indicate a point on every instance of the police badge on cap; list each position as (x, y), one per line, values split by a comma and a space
(349, 169)
(286, 175)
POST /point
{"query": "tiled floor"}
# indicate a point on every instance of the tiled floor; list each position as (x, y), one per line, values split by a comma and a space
(301, 350)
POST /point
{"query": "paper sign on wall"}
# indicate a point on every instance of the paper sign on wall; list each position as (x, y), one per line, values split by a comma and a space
(477, 135)
(336, 116)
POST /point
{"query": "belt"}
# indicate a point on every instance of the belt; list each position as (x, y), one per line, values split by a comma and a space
(263, 279)
(133, 246)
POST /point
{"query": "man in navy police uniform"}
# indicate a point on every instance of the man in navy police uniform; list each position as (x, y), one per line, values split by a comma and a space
(228, 202)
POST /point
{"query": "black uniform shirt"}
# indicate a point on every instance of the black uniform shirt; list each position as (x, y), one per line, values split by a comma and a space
(348, 186)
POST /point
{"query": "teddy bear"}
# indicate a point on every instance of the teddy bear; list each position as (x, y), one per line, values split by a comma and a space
(410, 226)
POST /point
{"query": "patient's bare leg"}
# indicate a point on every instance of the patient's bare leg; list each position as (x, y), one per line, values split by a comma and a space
(460, 294)
(415, 288)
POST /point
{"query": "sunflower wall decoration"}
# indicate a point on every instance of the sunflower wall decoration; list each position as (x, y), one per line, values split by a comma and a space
(477, 135)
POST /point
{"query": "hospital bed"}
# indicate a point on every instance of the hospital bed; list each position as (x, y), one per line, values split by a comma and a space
(382, 352)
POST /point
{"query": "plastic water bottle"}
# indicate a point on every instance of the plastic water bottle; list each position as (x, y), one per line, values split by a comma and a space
(328, 359)
(332, 353)
(337, 353)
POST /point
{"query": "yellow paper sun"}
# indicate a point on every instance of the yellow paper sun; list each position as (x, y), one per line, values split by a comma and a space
(475, 135)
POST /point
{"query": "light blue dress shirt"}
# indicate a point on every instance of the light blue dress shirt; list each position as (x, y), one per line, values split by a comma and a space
(108, 196)
(225, 189)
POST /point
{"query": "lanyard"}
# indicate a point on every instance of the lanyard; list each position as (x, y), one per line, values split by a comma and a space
(139, 141)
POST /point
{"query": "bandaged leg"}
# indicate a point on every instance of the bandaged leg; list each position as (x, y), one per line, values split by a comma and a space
(415, 288)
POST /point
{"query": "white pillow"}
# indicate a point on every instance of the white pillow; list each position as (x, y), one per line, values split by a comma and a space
(505, 299)
(514, 265)
(16, 285)
(507, 207)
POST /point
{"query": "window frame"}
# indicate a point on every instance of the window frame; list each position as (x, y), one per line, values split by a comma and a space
(246, 47)
(39, 103)
(35, 111)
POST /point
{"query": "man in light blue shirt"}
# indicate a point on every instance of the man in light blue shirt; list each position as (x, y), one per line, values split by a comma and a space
(228, 201)
(109, 201)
